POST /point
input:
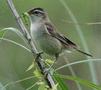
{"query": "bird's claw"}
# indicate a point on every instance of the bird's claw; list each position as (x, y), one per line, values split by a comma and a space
(38, 55)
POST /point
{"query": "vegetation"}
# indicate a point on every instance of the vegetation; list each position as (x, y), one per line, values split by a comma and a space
(73, 71)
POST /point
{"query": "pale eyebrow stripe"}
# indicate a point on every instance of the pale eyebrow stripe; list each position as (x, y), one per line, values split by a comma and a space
(39, 11)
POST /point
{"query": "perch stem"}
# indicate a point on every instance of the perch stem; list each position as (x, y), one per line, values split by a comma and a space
(26, 34)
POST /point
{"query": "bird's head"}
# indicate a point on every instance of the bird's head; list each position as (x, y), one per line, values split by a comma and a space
(37, 14)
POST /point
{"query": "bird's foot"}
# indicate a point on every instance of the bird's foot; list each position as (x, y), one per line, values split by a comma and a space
(38, 55)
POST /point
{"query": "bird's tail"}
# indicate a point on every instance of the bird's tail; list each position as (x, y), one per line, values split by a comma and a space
(83, 52)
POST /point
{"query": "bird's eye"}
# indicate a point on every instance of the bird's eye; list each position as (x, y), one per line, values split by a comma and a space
(36, 12)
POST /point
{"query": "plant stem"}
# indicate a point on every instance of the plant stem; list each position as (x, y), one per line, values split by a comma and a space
(78, 62)
(48, 78)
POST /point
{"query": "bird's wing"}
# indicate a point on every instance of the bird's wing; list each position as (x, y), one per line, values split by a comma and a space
(64, 40)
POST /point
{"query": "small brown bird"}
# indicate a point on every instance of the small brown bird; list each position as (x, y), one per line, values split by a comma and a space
(45, 35)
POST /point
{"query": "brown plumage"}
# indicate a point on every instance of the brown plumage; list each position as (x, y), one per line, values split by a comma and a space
(64, 40)
(43, 26)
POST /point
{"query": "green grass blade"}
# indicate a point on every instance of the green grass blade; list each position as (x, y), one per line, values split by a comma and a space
(61, 84)
(18, 44)
(78, 62)
(15, 82)
(72, 72)
(83, 41)
(81, 81)
(2, 33)
(15, 30)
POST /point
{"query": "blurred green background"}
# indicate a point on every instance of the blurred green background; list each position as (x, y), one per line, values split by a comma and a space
(14, 60)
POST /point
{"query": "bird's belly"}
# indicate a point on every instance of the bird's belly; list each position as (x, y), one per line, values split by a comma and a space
(49, 44)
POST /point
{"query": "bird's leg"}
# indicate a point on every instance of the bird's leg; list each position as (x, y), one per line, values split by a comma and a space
(56, 58)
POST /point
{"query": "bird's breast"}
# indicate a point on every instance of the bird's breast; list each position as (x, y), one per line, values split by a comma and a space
(46, 42)
(37, 30)
(49, 44)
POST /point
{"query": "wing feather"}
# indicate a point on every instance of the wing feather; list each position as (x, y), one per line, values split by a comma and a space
(64, 40)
